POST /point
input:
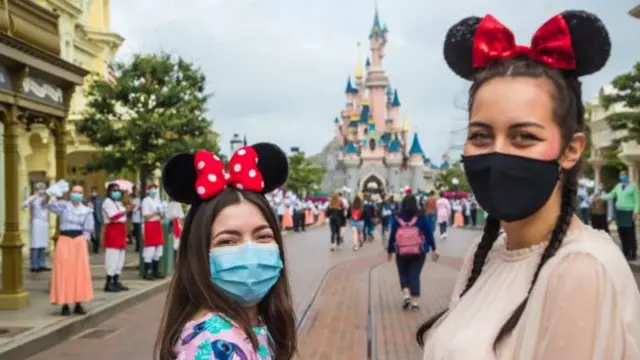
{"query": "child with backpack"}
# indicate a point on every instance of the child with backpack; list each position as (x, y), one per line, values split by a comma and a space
(411, 238)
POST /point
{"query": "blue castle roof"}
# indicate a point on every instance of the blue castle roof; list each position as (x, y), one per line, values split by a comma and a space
(396, 99)
(349, 89)
(394, 146)
(368, 62)
(386, 136)
(425, 159)
(351, 148)
(353, 123)
(415, 149)
(364, 114)
(336, 120)
(376, 29)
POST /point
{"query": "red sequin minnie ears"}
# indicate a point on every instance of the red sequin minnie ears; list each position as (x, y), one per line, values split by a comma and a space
(576, 42)
(189, 178)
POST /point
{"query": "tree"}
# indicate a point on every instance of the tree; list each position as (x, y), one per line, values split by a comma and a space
(626, 92)
(155, 108)
(444, 179)
(304, 175)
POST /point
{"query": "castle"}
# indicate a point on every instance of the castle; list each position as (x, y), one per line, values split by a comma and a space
(370, 152)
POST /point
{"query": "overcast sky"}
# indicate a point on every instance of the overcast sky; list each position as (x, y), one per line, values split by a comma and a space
(278, 67)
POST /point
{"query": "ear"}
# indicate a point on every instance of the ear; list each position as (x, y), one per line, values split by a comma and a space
(573, 152)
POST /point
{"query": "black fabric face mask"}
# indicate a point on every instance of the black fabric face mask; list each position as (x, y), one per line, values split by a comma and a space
(510, 187)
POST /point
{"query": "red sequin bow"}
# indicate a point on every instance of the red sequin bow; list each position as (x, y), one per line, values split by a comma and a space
(212, 177)
(550, 45)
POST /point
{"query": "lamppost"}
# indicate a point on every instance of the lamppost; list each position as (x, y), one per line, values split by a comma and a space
(236, 143)
(455, 182)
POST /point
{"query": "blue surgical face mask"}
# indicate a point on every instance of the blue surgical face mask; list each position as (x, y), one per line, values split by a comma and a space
(246, 272)
(75, 197)
(116, 195)
(153, 192)
(41, 192)
(624, 179)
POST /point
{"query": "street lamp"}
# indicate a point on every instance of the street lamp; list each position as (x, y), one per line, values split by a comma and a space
(236, 143)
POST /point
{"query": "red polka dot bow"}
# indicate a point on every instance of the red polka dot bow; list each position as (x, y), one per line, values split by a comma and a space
(243, 172)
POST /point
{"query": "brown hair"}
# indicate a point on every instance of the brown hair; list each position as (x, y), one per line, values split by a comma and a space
(334, 202)
(568, 113)
(191, 289)
(357, 203)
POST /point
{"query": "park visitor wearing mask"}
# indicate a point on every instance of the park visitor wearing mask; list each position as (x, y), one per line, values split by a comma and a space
(549, 287)
(230, 296)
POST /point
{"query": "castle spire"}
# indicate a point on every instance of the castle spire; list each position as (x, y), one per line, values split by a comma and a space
(376, 29)
(396, 99)
(358, 73)
(405, 124)
(349, 89)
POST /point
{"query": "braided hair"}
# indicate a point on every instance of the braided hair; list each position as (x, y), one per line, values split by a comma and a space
(568, 113)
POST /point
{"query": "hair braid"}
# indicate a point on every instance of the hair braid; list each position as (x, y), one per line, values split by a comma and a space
(489, 236)
(557, 236)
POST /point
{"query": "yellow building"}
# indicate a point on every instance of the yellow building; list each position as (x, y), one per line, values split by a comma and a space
(87, 41)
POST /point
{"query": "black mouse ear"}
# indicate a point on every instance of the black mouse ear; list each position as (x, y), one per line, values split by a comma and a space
(590, 41)
(273, 165)
(179, 178)
(458, 47)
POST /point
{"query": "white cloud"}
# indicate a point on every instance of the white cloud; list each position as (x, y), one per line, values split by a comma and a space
(278, 67)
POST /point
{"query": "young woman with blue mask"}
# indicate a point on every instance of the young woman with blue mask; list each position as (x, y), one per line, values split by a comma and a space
(230, 296)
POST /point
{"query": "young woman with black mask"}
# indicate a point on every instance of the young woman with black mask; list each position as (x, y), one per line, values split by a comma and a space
(550, 287)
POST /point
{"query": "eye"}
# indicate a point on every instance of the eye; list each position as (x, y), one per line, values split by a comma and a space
(225, 242)
(265, 237)
(525, 137)
(479, 136)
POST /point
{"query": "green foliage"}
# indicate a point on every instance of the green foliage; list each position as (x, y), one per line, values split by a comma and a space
(304, 175)
(626, 92)
(444, 179)
(156, 108)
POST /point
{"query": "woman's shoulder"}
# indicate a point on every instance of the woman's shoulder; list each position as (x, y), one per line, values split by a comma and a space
(216, 336)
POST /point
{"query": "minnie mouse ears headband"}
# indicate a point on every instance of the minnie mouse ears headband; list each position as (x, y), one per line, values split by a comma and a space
(190, 178)
(576, 42)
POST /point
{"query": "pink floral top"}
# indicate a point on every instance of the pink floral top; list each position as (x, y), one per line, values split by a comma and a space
(215, 337)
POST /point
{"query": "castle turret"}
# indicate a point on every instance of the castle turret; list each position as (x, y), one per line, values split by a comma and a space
(394, 162)
(416, 163)
(395, 106)
(351, 161)
(377, 81)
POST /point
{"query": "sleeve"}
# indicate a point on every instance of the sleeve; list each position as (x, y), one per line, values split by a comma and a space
(427, 231)
(146, 207)
(88, 225)
(222, 344)
(611, 194)
(579, 318)
(111, 211)
(28, 201)
(392, 236)
(58, 207)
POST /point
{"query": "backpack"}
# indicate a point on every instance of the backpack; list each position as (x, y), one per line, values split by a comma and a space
(408, 238)
(356, 214)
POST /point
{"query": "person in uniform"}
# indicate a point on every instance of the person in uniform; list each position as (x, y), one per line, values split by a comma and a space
(39, 230)
(114, 214)
(153, 237)
(71, 278)
(176, 215)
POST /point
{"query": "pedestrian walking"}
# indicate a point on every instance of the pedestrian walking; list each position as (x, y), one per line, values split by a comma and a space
(356, 222)
(549, 286)
(335, 214)
(232, 301)
(410, 239)
(627, 206)
(443, 211)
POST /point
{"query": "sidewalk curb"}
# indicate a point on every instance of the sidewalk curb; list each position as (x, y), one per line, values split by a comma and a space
(39, 341)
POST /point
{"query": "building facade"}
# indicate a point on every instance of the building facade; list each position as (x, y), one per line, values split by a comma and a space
(371, 151)
(84, 39)
(36, 88)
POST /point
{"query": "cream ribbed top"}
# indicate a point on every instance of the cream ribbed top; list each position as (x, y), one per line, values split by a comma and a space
(584, 306)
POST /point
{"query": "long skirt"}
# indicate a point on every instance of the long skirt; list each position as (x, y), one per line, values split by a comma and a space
(71, 277)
